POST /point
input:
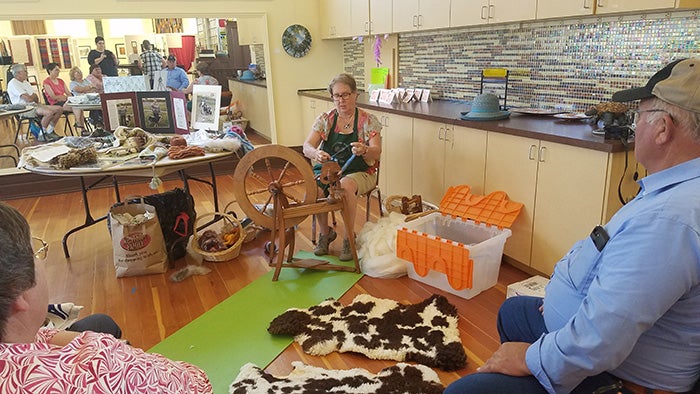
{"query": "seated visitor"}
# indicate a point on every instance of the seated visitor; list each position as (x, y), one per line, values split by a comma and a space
(79, 86)
(95, 78)
(22, 92)
(57, 94)
(337, 135)
(203, 78)
(620, 314)
(39, 360)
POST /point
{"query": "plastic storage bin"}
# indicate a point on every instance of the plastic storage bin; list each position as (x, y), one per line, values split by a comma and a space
(459, 249)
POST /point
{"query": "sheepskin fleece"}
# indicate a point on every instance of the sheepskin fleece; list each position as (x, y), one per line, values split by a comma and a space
(380, 329)
(377, 252)
(401, 378)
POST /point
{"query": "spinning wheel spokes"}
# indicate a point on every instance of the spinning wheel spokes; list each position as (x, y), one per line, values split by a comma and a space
(259, 177)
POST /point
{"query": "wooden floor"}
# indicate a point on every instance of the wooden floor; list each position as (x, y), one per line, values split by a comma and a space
(149, 308)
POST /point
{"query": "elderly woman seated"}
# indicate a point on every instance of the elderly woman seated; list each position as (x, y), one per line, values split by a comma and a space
(57, 93)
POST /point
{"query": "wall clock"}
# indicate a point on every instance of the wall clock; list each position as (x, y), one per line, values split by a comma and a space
(296, 40)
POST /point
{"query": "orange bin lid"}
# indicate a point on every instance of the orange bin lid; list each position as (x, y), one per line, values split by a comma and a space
(494, 209)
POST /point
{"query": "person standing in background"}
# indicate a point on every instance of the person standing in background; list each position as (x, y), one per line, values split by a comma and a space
(104, 58)
(177, 78)
(150, 61)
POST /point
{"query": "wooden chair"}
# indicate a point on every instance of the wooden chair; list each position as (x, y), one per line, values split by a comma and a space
(367, 196)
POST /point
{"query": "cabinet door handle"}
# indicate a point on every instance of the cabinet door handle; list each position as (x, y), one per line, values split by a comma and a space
(385, 120)
(420, 18)
(312, 104)
(492, 14)
(600, 3)
(415, 21)
(483, 12)
(587, 4)
(367, 27)
(541, 153)
(449, 135)
(531, 152)
(441, 134)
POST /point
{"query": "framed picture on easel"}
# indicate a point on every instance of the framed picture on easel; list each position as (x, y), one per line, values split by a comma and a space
(119, 109)
(155, 111)
(206, 100)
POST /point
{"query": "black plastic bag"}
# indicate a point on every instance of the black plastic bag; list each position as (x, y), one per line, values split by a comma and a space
(175, 209)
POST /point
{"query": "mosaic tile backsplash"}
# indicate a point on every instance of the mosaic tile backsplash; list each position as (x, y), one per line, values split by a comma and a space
(570, 64)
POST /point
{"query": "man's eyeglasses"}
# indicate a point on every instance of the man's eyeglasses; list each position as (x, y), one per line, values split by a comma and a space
(40, 248)
(343, 96)
(637, 113)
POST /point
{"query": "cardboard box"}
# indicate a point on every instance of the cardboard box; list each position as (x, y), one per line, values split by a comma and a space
(533, 286)
(459, 249)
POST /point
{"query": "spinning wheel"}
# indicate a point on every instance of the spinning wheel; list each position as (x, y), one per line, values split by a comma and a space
(275, 186)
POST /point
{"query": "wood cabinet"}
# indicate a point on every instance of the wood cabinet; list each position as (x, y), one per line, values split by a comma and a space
(397, 142)
(359, 17)
(475, 12)
(446, 155)
(562, 8)
(563, 189)
(410, 15)
(380, 13)
(253, 104)
(335, 18)
(613, 6)
(250, 30)
(310, 109)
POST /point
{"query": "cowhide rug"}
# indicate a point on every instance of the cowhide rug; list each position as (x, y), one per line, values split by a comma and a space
(381, 329)
(401, 378)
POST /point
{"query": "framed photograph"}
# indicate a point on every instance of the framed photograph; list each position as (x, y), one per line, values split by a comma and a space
(120, 109)
(179, 106)
(155, 111)
(206, 100)
(120, 51)
(83, 51)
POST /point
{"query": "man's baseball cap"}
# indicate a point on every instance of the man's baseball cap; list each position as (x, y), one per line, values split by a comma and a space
(678, 83)
(172, 58)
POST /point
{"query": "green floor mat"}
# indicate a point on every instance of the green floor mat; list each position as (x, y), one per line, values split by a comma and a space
(235, 331)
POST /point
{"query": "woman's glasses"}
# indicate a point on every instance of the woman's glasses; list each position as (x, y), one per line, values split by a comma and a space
(40, 248)
(341, 96)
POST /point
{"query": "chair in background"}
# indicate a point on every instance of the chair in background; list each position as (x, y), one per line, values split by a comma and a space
(499, 78)
(14, 154)
(19, 119)
(66, 125)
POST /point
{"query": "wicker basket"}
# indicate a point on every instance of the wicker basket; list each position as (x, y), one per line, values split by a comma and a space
(393, 204)
(218, 226)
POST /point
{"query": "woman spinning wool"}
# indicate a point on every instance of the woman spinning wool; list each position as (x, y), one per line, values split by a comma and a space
(351, 137)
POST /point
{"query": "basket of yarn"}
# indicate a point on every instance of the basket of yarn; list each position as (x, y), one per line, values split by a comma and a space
(220, 240)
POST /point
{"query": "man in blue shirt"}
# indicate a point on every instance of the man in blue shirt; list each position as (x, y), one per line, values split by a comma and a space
(177, 78)
(622, 309)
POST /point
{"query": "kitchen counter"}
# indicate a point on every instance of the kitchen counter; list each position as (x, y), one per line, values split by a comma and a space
(546, 128)
(261, 83)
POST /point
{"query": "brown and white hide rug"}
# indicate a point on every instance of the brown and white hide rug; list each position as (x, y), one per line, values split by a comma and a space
(381, 329)
(306, 379)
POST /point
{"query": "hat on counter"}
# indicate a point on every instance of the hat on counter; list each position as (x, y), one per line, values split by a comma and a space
(678, 83)
(486, 107)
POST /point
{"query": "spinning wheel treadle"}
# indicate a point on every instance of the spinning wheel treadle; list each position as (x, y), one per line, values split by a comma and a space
(275, 187)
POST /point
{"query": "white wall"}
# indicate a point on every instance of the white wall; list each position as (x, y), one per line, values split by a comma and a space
(285, 74)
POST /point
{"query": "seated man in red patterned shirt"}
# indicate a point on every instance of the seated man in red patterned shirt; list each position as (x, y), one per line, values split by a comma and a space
(41, 360)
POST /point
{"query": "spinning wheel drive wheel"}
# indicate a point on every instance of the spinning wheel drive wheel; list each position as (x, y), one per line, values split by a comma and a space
(268, 171)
